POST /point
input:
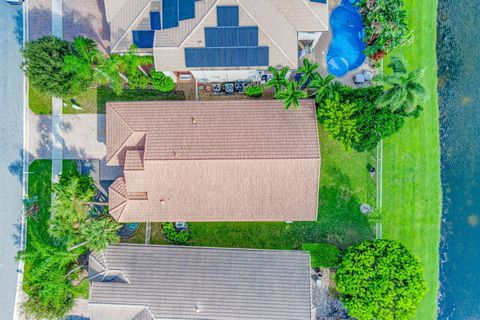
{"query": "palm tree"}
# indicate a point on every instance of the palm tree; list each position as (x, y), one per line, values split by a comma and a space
(279, 79)
(403, 89)
(308, 70)
(72, 196)
(291, 95)
(324, 88)
(98, 234)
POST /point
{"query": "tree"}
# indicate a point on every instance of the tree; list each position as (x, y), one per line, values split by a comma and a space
(385, 26)
(110, 73)
(44, 66)
(291, 95)
(50, 291)
(97, 234)
(380, 279)
(337, 118)
(162, 82)
(403, 89)
(323, 87)
(279, 78)
(84, 60)
(308, 70)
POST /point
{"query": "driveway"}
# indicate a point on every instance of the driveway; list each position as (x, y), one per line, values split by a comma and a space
(11, 134)
(82, 137)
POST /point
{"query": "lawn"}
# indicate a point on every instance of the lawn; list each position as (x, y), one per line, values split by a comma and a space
(39, 102)
(39, 184)
(345, 184)
(411, 191)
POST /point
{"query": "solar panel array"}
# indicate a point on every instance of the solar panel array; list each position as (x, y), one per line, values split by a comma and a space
(228, 44)
(173, 11)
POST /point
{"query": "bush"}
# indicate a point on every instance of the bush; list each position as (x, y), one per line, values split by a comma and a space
(137, 80)
(385, 26)
(171, 233)
(254, 91)
(322, 255)
(380, 279)
(44, 66)
(161, 82)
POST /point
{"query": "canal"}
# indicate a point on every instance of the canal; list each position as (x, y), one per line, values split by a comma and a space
(458, 55)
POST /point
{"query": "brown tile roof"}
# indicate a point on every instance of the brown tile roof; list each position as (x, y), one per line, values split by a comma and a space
(247, 160)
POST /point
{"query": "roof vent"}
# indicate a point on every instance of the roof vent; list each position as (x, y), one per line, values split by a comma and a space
(194, 121)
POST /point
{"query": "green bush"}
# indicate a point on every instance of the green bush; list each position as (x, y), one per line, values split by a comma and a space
(137, 80)
(161, 82)
(322, 255)
(254, 91)
(380, 279)
(168, 229)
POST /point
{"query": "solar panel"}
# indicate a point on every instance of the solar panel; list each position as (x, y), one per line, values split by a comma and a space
(170, 13)
(143, 38)
(227, 16)
(248, 36)
(221, 37)
(155, 21)
(226, 57)
(186, 9)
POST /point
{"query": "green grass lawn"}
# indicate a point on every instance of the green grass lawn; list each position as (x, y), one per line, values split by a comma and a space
(39, 102)
(345, 184)
(411, 192)
(39, 184)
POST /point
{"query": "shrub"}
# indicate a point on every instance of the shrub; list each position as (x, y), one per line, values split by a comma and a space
(322, 255)
(337, 118)
(171, 233)
(385, 26)
(254, 91)
(380, 279)
(161, 82)
(137, 80)
(44, 66)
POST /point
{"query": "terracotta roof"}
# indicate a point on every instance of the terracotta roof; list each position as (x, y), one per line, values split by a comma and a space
(202, 283)
(247, 160)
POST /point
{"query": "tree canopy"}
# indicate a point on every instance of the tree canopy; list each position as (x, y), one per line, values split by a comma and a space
(380, 279)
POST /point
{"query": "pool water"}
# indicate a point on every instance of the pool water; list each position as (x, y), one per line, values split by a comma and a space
(346, 48)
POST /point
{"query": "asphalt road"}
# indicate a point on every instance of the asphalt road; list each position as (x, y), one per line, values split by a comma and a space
(11, 142)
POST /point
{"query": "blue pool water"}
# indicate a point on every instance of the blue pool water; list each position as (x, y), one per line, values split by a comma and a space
(346, 49)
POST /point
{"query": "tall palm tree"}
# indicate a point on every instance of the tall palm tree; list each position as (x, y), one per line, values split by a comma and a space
(291, 95)
(72, 198)
(323, 87)
(403, 89)
(279, 79)
(308, 70)
(97, 234)
(110, 72)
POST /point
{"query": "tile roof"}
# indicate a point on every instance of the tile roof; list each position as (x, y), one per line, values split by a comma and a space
(248, 160)
(204, 283)
(278, 21)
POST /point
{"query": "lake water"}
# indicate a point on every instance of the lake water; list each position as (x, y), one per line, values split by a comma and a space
(458, 52)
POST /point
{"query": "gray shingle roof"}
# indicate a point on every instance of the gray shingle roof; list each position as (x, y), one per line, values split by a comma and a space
(205, 283)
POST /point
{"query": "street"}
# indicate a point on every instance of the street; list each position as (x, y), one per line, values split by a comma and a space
(11, 135)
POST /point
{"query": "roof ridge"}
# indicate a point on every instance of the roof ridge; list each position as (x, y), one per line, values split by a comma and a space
(313, 13)
(198, 25)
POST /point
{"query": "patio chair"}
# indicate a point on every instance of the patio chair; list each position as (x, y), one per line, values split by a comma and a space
(368, 75)
(359, 78)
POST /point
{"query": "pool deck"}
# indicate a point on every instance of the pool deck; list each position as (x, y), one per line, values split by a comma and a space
(320, 52)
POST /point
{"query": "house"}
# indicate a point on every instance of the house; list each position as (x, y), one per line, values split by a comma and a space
(207, 38)
(172, 282)
(245, 160)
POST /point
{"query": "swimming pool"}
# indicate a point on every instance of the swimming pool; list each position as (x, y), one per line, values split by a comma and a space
(346, 48)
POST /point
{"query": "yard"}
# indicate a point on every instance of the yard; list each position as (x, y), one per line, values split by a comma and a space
(411, 192)
(345, 184)
(94, 99)
(39, 184)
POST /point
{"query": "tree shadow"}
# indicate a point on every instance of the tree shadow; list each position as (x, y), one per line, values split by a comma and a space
(18, 18)
(16, 167)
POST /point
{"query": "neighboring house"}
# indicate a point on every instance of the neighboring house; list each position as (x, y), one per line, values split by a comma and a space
(133, 282)
(233, 35)
(246, 160)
